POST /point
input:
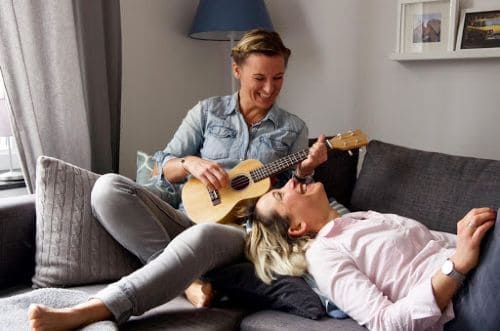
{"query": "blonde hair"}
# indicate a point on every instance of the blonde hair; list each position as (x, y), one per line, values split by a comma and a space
(272, 251)
(262, 42)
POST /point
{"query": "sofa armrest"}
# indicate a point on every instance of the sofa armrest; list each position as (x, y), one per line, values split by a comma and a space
(17, 240)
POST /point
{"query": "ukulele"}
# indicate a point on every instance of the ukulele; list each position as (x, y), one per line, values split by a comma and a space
(249, 180)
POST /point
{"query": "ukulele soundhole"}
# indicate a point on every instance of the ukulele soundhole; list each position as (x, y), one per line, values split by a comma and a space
(240, 182)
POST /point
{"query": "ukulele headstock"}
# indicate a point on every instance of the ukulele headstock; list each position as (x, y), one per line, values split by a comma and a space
(348, 140)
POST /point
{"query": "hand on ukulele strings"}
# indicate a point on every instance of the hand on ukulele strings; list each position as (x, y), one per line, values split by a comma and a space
(317, 155)
(210, 173)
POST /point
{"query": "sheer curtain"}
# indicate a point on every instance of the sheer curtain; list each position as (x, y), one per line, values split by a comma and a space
(61, 63)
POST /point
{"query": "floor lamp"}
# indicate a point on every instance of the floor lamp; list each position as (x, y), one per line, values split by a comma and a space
(229, 20)
(6, 131)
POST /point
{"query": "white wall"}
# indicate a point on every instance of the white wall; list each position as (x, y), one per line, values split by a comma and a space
(321, 80)
(339, 77)
(164, 73)
(451, 106)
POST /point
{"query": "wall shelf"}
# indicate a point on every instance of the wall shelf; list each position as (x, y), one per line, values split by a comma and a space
(460, 54)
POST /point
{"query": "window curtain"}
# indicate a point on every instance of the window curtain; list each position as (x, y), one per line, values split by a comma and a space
(61, 64)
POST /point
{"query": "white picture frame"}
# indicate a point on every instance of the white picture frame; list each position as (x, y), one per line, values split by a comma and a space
(479, 29)
(426, 26)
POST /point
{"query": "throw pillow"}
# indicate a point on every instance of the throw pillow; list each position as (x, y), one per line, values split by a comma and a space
(145, 165)
(289, 294)
(72, 248)
(166, 191)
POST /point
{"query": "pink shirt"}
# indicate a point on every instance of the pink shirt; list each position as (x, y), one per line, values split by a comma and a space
(377, 268)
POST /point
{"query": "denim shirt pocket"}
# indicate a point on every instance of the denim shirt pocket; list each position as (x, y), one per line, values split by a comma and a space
(272, 148)
(218, 142)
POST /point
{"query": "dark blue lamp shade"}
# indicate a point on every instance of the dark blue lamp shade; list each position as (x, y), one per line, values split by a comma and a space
(229, 19)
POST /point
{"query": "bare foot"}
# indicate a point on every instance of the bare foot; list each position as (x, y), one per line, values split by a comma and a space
(43, 318)
(200, 294)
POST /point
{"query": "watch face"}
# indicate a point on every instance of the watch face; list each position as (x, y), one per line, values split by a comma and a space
(447, 267)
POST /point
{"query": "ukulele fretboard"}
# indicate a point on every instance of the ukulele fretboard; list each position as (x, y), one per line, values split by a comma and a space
(278, 165)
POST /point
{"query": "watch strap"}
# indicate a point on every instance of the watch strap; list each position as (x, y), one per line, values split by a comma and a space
(457, 276)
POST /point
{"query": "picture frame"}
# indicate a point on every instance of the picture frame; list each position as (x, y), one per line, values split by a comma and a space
(479, 28)
(426, 26)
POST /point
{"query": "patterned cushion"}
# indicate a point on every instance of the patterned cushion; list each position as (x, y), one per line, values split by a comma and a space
(167, 192)
(72, 248)
(145, 165)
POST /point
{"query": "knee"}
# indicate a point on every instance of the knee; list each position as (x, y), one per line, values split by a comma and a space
(105, 192)
(214, 237)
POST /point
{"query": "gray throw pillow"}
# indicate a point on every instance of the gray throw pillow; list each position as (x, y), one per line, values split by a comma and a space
(72, 248)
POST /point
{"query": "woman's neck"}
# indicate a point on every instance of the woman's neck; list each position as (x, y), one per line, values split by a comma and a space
(250, 112)
(333, 214)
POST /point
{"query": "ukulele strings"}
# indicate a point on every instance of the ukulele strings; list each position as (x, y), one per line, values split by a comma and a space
(271, 168)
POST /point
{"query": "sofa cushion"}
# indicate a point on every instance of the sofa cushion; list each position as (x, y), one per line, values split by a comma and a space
(289, 294)
(267, 320)
(433, 188)
(72, 248)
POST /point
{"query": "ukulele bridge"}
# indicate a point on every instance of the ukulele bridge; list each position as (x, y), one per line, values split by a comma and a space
(214, 196)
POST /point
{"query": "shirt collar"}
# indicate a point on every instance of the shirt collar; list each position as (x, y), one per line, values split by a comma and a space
(272, 114)
(232, 106)
(327, 229)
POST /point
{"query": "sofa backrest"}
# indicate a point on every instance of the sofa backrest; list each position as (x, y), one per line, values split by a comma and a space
(338, 173)
(434, 188)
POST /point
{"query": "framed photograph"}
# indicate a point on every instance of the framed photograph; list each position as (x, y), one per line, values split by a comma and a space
(426, 26)
(479, 28)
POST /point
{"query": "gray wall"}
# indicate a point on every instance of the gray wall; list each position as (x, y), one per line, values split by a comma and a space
(339, 77)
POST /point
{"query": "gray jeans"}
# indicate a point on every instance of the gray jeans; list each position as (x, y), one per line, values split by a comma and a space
(175, 252)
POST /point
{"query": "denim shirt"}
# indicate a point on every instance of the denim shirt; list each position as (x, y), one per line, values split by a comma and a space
(215, 130)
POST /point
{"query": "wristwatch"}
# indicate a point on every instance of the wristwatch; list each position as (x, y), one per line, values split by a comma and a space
(448, 269)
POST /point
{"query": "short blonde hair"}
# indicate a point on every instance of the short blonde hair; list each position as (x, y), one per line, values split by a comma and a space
(262, 42)
(272, 251)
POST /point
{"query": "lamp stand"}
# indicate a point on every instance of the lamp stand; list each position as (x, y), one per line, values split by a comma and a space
(233, 80)
(11, 175)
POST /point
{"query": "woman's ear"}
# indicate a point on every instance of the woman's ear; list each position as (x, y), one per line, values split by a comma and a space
(297, 229)
(236, 71)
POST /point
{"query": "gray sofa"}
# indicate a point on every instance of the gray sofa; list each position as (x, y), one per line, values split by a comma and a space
(434, 188)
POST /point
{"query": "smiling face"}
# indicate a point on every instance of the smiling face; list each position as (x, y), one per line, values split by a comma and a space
(261, 78)
(306, 206)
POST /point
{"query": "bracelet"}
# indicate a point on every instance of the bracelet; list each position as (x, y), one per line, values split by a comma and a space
(303, 179)
(183, 161)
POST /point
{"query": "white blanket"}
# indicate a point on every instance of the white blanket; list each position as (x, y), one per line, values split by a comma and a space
(14, 310)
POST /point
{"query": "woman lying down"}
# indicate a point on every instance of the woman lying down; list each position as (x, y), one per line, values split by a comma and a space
(385, 271)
